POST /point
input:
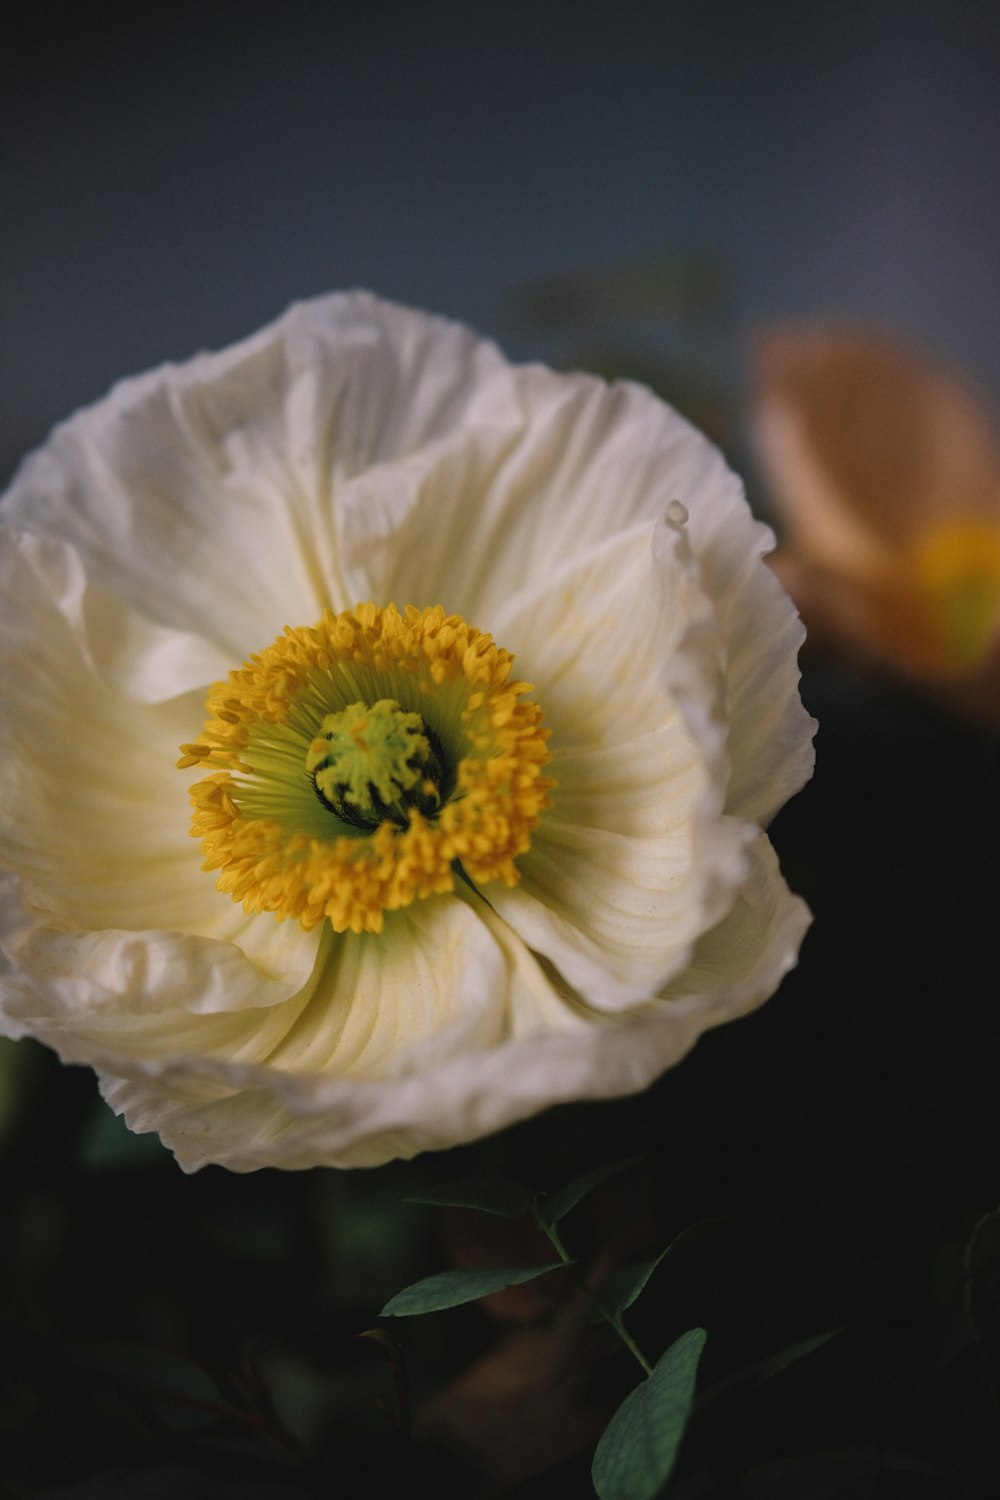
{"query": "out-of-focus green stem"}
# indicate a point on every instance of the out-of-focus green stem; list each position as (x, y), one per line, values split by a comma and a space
(612, 1319)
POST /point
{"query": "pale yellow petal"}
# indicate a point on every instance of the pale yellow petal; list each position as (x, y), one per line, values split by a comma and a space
(94, 821)
(552, 1050)
(548, 467)
(634, 859)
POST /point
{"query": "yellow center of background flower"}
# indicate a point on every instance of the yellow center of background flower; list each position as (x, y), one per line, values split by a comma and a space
(957, 565)
(360, 762)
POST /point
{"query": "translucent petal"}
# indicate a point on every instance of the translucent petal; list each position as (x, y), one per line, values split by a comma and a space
(148, 662)
(208, 494)
(356, 450)
(248, 1116)
(548, 466)
(634, 860)
(769, 731)
(94, 820)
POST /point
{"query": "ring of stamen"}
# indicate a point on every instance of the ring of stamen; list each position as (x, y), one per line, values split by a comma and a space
(357, 763)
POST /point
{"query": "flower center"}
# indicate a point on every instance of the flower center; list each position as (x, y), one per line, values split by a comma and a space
(358, 764)
(370, 764)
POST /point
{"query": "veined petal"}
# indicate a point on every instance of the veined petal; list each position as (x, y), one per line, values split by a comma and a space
(233, 463)
(340, 1071)
(768, 731)
(550, 1051)
(93, 820)
(124, 648)
(549, 466)
(467, 516)
(742, 959)
(634, 858)
(67, 987)
(363, 466)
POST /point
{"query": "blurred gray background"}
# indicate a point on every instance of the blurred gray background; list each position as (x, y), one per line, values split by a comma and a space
(630, 185)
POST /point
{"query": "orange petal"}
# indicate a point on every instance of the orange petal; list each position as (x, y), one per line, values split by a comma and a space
(868, 444)
(890, 628)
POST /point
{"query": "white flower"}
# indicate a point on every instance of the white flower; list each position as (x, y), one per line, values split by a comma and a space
(519, 897)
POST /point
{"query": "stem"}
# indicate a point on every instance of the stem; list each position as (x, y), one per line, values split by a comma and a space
(612, 1319)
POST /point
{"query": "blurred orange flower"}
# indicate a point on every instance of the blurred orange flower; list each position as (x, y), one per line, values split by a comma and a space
(886, 473)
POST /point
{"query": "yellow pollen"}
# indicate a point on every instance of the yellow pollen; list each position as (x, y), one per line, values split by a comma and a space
(356, 764)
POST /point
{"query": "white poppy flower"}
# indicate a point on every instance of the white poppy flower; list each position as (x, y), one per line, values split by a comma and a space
(458, 899)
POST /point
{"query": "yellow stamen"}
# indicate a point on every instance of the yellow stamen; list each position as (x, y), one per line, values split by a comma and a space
(357, 762)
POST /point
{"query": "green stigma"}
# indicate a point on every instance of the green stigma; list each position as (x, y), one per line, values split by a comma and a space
(372, 763)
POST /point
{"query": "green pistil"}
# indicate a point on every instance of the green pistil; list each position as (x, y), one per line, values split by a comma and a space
(375, 762)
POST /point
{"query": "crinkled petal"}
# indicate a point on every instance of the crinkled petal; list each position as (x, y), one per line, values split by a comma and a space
(355, 450)
(741, 960)
(147, 662)
(234, 463)
(66, 987)
(444, 984)
(551, 1051)
(769, 731)
(634, 860)
(548, 466)
(107, 901)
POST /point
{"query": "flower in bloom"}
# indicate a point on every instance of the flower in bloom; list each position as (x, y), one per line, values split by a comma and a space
(887, 473)
(482, 698)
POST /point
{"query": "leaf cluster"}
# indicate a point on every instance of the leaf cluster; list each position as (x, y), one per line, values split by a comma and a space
(639, 1447)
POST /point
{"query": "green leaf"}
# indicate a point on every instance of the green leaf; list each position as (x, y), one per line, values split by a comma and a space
(509, 1200)
(813, 1476)
(453, 1288)
(636, 1455)
(766, 1368)
(182, 1394)
(982, 1286)
(696, 1234)
(560, 1203)
(623, 1287)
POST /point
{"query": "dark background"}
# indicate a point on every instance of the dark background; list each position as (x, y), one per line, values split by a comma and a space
(173, 176)
(635, 187)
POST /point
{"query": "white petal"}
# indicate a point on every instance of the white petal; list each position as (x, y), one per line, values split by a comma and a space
(86, 981)
(127, 650)
(548, 466)
(206, 494)
(634, 860)
(770, 733)
(742, 960)
(249, 1116)
(94, 816)
(357, 450)
(334, 1071)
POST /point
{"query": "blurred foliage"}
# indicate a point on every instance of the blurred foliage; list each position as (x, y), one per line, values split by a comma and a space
(663, 286)
(665, 321)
